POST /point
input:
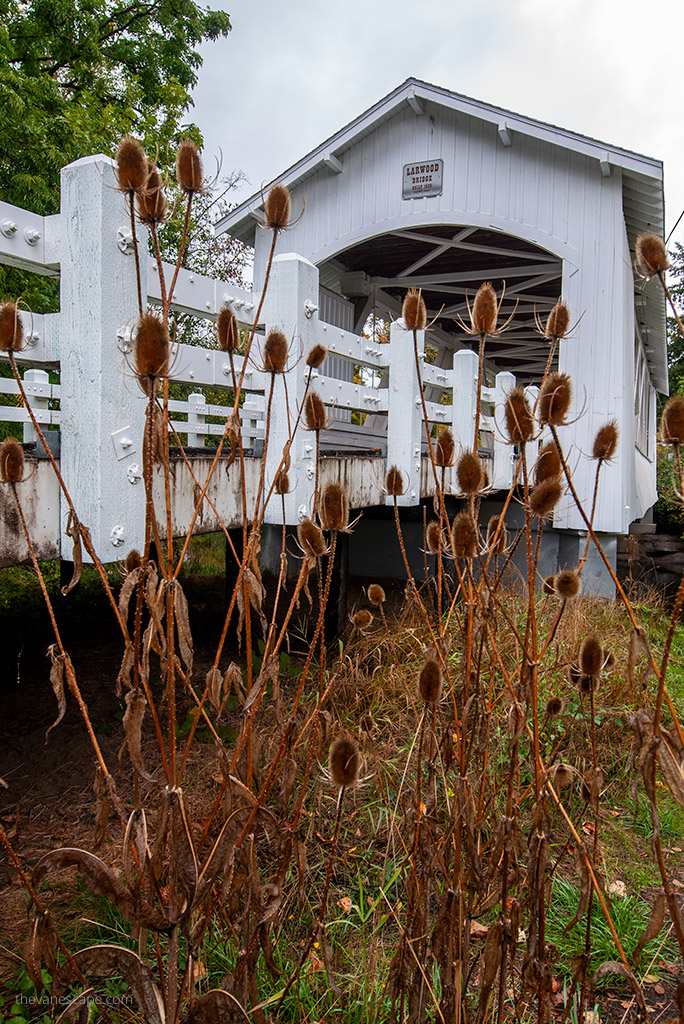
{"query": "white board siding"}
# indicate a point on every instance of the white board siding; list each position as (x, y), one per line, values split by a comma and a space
(534, 190)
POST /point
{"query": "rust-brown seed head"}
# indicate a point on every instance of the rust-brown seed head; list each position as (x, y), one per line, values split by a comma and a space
(554, 399)
(413, 311)
(651, 255)
(133, 560)
(519, 421)
(554, 706)
(314, 412)
(591, 656)
(11, 461)
(316, 356)
(606, 441)
(496, 535)
(376, 595)
(131, 165)
(311, 539)
(362, 619)
(151, 351)
(433, 536)
(548, 465)
(464, 535)
(277, 208)
(567, 583)
(150, 198)
(282, 483)
(394, 485)
(544, 498)
(672, 420)
(345, 760)
(469, 472)
(189, 167)
(485, 310)
(445, 448)
(11, 327)
(227, 330)
(557, 322)
(430, 682)
(549, 585)
(275, 352)
(333, 507)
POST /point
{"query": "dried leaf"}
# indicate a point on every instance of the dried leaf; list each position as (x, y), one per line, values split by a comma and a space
(78, 1010)
(132, 723)
(103, 882)
(232, 679)
(302, 867)
(103, 806)
(124, 676)
(128, 586)
(671, 767)
(198, 499)
(135, 849)
(73, 530)
(39, 948)
(655, 923)
(57, 681)
(214, 685)
(105, 961)
(491, 956)
(614, 967)
(217, 1007)
(180, 604)
(255, 595)
(182, 848)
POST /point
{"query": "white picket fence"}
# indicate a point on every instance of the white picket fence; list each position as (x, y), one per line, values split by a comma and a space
(99, 409)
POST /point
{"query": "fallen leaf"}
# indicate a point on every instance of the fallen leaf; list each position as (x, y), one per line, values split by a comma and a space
(345, 904)
(477, 930)
(660, 989)
(617, 888)
(651, 979)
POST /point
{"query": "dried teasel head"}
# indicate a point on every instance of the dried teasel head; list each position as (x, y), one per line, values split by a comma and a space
(189, 167)
(362, 620)
(445, 448)
(485, 310)
(150, 198)
(549, 585)
(333, 507)
(394, 484)
(282, 483)
(554, 706)
(277, 208)
(606, 441)
(433, 536)
(651, 255)
(469, 472)
(608, 661)
(575, 674)
(151, 351)
(544, 498)
(366, 724)
(275, 352)
(567, 583)
(133, 560)
(587, 684)
(11, 327)
(345, 761)
(314, 412)
(671, 421)
(11, 461)
(316, 356)
(497, 536)
(311, 539)
(430, 682)
(464, 535)
(227, 330)
(562, 775)
(519, 419)
(591, 656)
(548, 465)
(131, 165)
(557, 322)
(554, 399)
(413, 310)
(376, 595)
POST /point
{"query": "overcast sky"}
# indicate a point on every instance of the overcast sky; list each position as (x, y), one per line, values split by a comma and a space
(292, 73)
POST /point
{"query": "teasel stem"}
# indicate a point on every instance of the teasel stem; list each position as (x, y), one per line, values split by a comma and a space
(136, 253)
(181, 253)
(267, 275)
(595, 809)
(165, 303)
(618, 586)
(583, 559)
(478, 392)
(661, 277)
(68, 668)
(84, 533)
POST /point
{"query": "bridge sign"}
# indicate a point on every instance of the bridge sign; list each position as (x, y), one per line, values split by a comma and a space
(423, 179)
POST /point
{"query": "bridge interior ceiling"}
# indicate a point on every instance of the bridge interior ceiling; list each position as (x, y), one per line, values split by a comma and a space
(449, 264)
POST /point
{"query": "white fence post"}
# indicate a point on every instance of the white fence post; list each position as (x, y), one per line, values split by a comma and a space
(251, 415)
(291, 306)
(502, 470)
(532, 448)
(37, 387)
(196, 420)
(102, 407)
(405, 413)
(464, 398)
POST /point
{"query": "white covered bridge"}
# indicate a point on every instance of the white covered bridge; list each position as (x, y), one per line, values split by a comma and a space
(426, 189)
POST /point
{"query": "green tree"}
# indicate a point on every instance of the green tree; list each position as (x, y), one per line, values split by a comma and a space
(675, 343)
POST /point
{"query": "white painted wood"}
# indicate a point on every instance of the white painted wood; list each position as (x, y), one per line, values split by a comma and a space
(196, 420)
(465, 399)
(99, 393)
(502, 468)
(404, 417)
(39, 392)
(200, 295)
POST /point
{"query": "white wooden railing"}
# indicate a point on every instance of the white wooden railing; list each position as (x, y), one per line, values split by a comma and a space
(99, 408)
